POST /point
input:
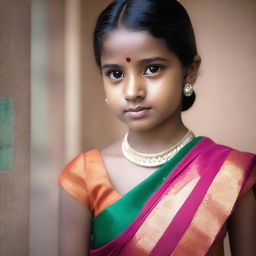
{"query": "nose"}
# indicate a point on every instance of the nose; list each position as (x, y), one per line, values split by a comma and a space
(134, 89)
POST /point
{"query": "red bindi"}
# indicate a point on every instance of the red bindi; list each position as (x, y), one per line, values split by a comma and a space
(128, 59)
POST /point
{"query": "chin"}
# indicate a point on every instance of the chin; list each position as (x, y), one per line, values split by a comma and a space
(140, 126)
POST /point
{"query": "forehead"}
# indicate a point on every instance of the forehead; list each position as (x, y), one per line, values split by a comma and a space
(123, 42)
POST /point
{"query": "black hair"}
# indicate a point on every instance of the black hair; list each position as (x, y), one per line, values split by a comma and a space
(163, 19)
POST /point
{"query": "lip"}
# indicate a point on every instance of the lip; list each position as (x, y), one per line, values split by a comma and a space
(137, 112)
(136, 109)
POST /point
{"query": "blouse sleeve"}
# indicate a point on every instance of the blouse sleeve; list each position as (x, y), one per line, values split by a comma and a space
(73, 180)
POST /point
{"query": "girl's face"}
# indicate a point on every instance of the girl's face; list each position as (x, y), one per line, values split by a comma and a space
(143, 80)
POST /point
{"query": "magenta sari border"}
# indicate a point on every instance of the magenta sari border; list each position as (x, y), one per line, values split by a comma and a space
(183, 218)
(115, 246)
(251, 163)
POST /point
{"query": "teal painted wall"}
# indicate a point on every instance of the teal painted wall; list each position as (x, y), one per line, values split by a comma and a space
(6, 135)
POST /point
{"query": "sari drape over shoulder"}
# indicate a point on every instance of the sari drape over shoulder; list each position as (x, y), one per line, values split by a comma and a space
(182, 209)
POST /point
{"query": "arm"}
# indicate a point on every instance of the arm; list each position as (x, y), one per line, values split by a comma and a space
(74, 227)
(242, 226)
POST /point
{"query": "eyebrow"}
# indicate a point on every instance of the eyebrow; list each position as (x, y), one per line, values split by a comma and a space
(148, 60)
(110, 66)
(143, 61)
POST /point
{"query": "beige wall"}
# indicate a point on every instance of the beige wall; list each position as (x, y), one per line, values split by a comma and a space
(225, 108)
(15, 86)
(47, 124)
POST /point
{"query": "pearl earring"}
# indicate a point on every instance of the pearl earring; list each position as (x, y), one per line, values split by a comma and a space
(106, 100)
(188, 90)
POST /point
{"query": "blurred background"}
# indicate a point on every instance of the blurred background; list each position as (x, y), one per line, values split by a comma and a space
(68, 111)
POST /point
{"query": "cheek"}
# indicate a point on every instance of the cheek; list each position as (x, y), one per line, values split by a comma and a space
(111, 93)
(114, 99)
(174, 85)
(167, 88)
(109, 90)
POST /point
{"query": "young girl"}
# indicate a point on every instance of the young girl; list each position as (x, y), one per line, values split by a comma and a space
(159, 190)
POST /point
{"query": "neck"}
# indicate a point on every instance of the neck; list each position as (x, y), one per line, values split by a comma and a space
(157, 139)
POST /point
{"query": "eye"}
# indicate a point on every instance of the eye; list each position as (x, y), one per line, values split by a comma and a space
(153, 69)
(115, 74)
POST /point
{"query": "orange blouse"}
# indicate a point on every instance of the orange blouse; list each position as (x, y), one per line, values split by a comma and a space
(86, 179)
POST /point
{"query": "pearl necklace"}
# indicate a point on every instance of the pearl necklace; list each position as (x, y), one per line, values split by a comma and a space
(157, 159)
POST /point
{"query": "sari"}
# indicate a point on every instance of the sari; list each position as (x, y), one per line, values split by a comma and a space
(181, 209)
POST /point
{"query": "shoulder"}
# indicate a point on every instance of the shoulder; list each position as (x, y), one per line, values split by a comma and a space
(74, 178)
(235, 163)
(79, 160)
(220, 146)
(239, 158)
(89, 161)
(113, 150)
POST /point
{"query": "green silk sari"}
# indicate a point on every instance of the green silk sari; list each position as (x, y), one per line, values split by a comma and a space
(113, 220)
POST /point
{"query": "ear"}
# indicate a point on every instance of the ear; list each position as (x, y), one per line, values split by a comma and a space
(192, 70)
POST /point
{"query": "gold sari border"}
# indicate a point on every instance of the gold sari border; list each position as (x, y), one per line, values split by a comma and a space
(162, 215)
(216, 206)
